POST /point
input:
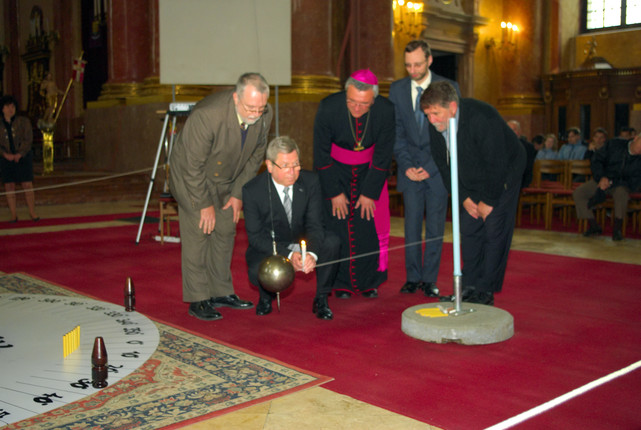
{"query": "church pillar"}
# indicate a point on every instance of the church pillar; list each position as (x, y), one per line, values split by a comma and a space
(522, 62)
(374, 22)
(130, 48)
(522, 65)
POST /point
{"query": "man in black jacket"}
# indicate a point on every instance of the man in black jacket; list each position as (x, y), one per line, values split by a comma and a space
(491, 161)
(616, 171)
(285, 203)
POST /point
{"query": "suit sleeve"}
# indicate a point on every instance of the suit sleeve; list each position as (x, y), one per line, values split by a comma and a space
(313, 223)
(256, 211)
(488, 134)
(401, 153)
(198, 136)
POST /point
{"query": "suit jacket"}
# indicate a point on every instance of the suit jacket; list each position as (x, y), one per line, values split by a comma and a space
(207, 163)
(260, 198)
(411, 149)
(22, 136)
(490, 155)
(613, 160)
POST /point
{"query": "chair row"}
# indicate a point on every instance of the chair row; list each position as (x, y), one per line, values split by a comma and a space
(553, 182)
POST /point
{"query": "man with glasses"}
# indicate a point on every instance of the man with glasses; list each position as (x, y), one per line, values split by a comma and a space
(424, 193)
(353, 142)
(286, 201)
(219, 149)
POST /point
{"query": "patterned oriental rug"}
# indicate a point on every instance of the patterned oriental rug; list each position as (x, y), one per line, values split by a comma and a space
(187, 379)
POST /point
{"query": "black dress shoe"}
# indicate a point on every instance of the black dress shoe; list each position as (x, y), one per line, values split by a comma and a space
(204, 311)
(481, 298)
(617, 235)
(231, 301)
(321, 308)
(13, 220)
(410, 287)
(341, 294)
(264, 307)
(430, 289)
(371, 294)
(36, 219)
(593, 231)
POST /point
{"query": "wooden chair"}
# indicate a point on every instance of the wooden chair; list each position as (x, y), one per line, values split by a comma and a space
(168, 209)
(577, 172)
(536, 195)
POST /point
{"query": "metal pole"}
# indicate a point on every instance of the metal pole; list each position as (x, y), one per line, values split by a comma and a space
(456, 229)
(153, 177)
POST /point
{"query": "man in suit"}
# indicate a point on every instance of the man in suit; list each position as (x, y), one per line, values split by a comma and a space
(219, 149)
(287, 202)
(491, 161)
(424, 194)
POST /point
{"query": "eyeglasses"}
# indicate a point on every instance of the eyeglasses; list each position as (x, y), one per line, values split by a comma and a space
(359, 104)
(294, 166)
(252, 109)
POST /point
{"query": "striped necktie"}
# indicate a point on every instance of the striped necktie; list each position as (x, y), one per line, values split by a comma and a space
(418, 113)
(287, 203)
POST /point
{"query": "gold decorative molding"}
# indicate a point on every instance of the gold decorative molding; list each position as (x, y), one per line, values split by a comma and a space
(120, 90)
(520, 101)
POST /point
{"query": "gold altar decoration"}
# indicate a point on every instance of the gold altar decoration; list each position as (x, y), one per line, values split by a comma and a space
(47, 123)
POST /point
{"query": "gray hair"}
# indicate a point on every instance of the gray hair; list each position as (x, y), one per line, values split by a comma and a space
(361, 86)
(440, 93)
(281, 145)
(256, 80)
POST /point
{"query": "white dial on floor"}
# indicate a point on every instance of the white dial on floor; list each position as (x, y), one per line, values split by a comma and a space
(34, 376)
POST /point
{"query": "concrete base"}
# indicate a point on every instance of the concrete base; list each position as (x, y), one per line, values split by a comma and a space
(431, 322)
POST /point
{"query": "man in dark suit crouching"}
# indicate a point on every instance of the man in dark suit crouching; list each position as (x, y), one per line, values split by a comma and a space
(265, 201)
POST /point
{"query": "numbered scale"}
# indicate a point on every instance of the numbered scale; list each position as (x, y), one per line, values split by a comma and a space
(34, 376)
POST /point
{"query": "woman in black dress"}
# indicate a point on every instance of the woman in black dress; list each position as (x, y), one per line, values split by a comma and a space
(16, 161)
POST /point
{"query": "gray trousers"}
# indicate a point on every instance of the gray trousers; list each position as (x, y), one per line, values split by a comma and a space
(620, 196)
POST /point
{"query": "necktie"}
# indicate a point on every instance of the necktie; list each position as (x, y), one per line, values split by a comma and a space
(418, 113)
(287, 203)
(243, 133)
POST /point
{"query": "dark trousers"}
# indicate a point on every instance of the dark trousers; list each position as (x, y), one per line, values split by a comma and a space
(485, 245)
(325, 275)
(426, 200)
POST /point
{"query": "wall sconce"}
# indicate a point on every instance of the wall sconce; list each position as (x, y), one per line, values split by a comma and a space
(407, 18)
(509, 36)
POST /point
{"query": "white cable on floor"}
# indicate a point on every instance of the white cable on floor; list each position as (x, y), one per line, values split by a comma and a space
(564, 398)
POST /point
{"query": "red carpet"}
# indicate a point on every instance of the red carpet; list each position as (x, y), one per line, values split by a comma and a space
(576, 321)
(45, 222)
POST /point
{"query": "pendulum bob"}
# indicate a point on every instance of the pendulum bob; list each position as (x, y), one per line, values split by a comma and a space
(130, 296)
(99, 364)
(276, 274)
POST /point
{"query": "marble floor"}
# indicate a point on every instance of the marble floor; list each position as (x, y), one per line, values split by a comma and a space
(319, 408)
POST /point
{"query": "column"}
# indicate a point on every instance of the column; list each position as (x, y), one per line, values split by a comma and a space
(130, 47)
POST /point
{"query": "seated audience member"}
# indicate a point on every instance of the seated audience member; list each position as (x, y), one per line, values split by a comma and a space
(574, 149)
(599, 137)
(549, 150)
(530, 152)
(284, 204)
(628, 133)
(537, 141)
(616, 170)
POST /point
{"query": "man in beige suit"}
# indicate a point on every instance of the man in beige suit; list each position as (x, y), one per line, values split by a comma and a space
(219, 149)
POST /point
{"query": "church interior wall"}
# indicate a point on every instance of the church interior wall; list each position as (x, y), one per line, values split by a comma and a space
(123, 134)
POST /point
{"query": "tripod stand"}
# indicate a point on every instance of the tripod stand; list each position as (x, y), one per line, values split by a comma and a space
(175, 110)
